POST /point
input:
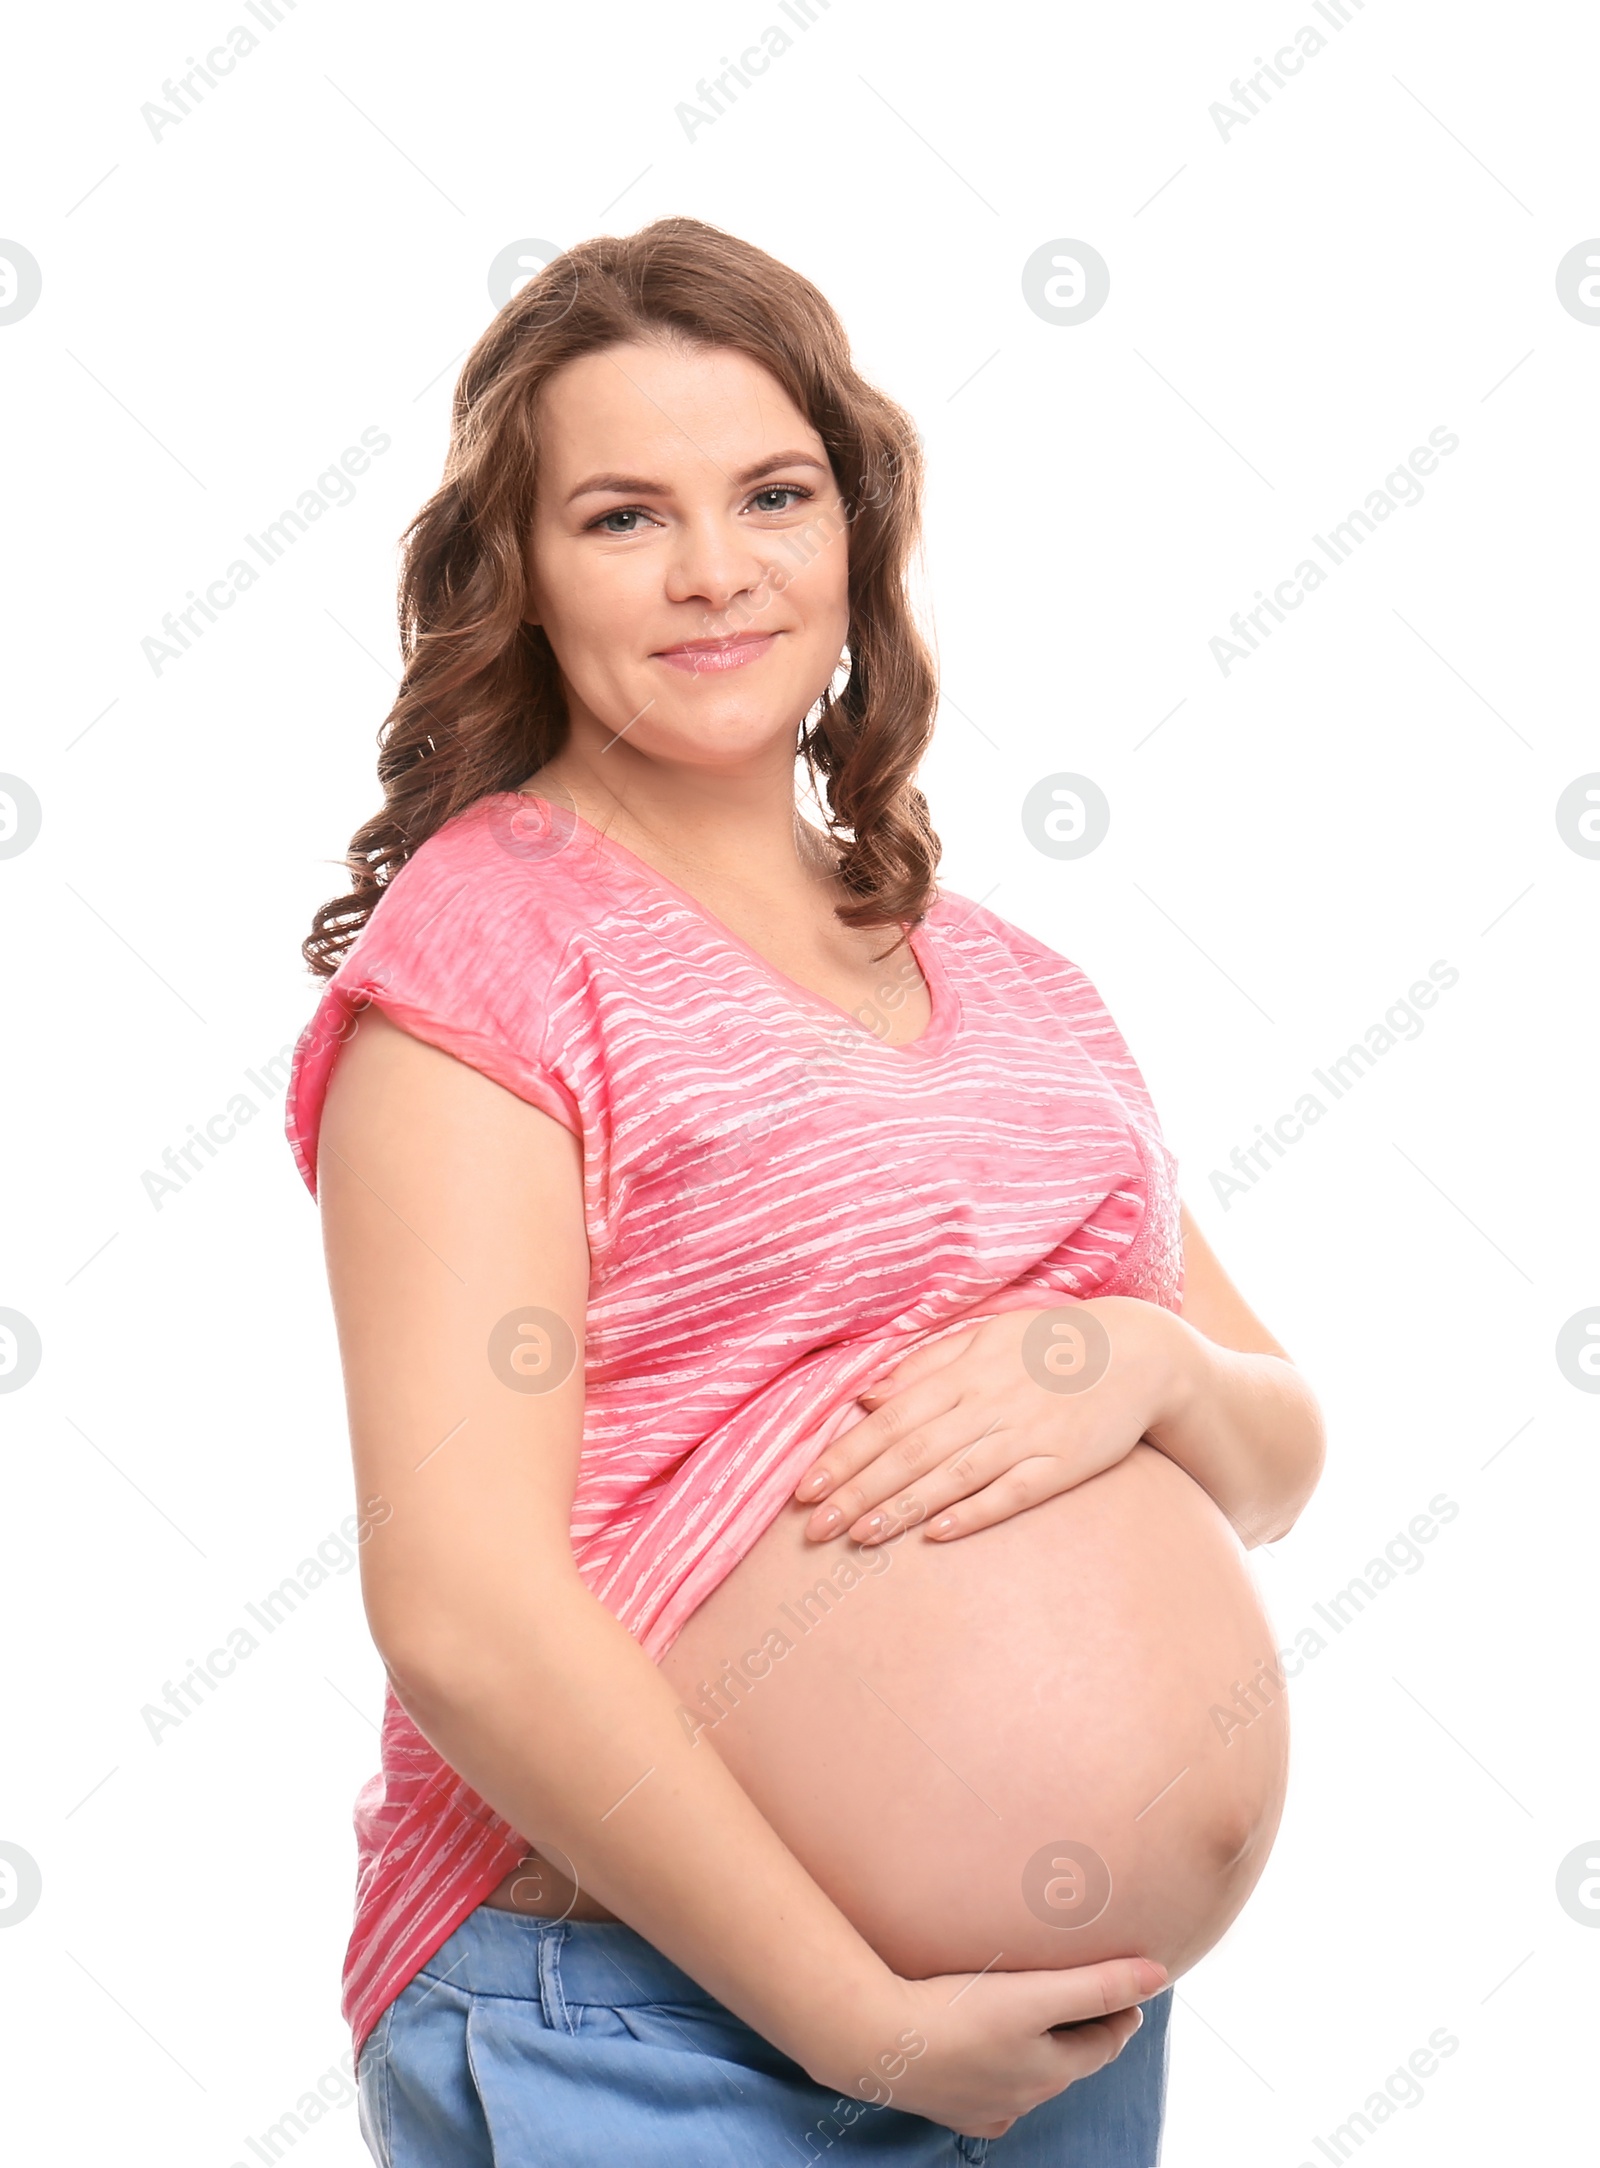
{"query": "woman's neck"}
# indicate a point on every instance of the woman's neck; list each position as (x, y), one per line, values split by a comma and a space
(713, 835)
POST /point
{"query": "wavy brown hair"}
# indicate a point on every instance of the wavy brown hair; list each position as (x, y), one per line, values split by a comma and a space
(480, 705)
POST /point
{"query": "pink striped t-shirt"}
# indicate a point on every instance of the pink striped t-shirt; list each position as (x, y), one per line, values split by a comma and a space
(779, 1207)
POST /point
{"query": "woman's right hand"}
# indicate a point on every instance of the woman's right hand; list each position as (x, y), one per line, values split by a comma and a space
(976, 2050)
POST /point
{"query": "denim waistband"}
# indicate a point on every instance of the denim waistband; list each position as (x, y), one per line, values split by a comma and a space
(566, 1961)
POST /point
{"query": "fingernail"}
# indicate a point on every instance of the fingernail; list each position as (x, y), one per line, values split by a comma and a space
(942, 1526)
(814, 1484)
(829, 1521)
(875, 1527)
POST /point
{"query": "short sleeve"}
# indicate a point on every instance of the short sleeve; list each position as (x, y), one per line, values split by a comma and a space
(461, 950)
(1153, 1266)
(1074, 996)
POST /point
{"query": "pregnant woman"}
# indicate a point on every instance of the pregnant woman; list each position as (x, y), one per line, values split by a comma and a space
(806, 1451)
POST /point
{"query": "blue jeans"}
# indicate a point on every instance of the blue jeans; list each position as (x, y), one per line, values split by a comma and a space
(529, 2043)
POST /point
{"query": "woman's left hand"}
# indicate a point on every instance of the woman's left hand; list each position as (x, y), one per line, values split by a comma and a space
(989, 1421)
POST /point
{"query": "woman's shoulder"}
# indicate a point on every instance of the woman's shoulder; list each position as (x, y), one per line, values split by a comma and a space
(973, 930)
(508, 878)
(462, 949)
(991, 946)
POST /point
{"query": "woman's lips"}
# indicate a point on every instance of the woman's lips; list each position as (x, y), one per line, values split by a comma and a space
(699, 656)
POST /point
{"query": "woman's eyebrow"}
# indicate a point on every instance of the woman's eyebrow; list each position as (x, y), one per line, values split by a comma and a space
(640, 485)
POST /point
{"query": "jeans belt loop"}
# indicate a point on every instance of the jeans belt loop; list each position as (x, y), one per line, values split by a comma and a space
(552, 2002)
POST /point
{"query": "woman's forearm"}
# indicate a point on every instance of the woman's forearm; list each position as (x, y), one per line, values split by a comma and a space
(555, 1715)
(1247, 1427)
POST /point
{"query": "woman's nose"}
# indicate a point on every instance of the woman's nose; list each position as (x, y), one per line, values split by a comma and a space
(713, 562)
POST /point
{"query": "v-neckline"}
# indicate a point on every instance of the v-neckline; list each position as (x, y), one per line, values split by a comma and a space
(943, 1001)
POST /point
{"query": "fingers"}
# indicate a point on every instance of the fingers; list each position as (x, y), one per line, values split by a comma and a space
(922, 1363)
(930, 1467)
(898, 1434)
(1084, 2049)
(1022, 2037)
(954, 1498)
(1119, 2027)
(947, 1463)
(1090, 1991)
(1011, 1493)
(852, 1447)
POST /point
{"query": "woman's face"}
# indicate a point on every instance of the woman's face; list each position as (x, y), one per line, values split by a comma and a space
(688, 559)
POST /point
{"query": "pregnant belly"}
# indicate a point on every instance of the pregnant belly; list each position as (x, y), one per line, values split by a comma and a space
(1056, 1740)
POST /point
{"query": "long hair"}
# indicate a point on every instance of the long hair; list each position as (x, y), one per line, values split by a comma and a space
(480, 705)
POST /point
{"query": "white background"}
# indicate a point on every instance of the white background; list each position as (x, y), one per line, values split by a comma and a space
(1291, 310)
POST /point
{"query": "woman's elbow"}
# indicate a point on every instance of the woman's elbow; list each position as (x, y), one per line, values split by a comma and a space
(1300, 1482)
(452, 1648)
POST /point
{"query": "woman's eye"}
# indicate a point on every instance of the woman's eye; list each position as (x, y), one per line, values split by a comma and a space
(623, 511)
(628, 519)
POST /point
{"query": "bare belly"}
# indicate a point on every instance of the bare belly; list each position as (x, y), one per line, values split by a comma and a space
(1046, 1743)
